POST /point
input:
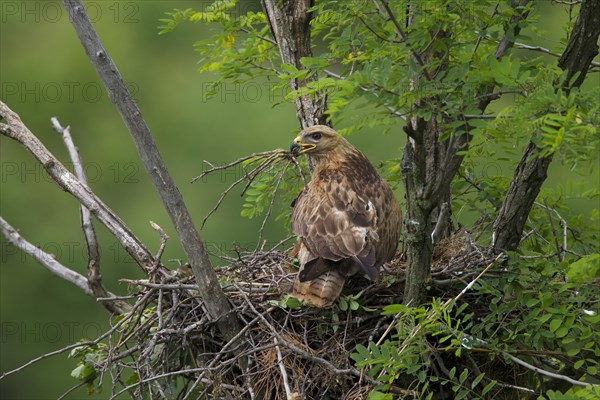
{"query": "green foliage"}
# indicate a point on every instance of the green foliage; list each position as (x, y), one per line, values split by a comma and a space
(276, 185)
(530, 310)
(287, 302)
(239, 52)
(588, 393)
(407, 356)
(352, 302)
(546, 313)
(584, 270)
(86, 371)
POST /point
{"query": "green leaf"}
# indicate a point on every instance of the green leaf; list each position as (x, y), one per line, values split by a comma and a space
(78, 371)
(544, 318)
(477, 379)
(133, 379)
(314, 62)
(452, 373)
(376, 395)
(584, 269)
(343, 304)
(463, 376)
(488, 387)
(555, 324)
(532, 302)
(592, 370)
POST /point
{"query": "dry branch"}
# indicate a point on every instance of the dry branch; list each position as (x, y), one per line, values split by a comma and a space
(94, 276)
(169, 193)
(46, 260)
(288, 353)
(15, 129)
(130, 313)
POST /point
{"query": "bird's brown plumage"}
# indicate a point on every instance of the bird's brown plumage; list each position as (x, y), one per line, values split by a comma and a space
(347, 219)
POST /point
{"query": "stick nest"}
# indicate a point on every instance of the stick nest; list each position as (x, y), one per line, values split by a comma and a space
(285, 351)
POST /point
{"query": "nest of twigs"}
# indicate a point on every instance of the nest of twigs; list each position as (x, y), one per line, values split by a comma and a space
(175, 351)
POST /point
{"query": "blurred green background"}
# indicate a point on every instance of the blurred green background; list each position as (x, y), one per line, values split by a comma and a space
(44, 72)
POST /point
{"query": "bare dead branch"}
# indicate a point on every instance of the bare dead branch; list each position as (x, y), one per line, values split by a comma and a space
(525, 364)
(106, 334)
(94, 277)
(272, 202)
(15, 129)
(561, 250)
(254, 156)
(286, 384)
(546, 51)
(109, 300)
(546, 373)
(72, 389)
(163, 244)
(45, 259)
(193, 245)
(299, 351)
(165, 286)
(221, 198)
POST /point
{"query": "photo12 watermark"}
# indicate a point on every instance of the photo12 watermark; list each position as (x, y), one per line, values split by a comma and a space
(30, 172)
(66, 252)
(55, 92)
(30, 332)
(42, 11)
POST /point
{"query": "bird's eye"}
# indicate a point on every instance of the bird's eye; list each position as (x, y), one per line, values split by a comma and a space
(315, 136)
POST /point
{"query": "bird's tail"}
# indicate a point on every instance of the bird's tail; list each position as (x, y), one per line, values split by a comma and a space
(322, 291)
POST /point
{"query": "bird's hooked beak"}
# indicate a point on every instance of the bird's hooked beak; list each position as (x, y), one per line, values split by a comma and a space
(298, 147)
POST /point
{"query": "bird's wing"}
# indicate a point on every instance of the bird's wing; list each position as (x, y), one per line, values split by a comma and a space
(335, 222)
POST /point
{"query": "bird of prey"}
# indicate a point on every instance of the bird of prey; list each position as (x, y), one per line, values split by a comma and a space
(347, 218)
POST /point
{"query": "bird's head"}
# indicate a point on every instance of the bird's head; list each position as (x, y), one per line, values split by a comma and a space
(317, 140)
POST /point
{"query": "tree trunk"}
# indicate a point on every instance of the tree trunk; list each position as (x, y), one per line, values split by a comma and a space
(417, 221)
(532, 170)
(531, 173)
(583, 44)
(289, 22)
(428, 167)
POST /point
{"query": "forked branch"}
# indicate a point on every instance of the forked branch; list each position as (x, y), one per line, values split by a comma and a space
(15, 129)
